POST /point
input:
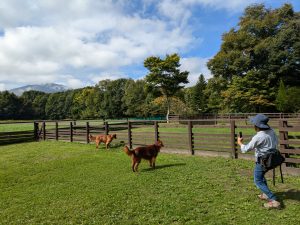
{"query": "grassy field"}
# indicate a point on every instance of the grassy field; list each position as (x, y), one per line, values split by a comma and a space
(16, 127)
(71, 183)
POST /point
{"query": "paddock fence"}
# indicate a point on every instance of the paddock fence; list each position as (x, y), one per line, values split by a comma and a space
(195, 137)
(211, 137)
(15, 134)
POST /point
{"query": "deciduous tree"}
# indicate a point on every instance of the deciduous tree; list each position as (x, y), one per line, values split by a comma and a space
(264, 48)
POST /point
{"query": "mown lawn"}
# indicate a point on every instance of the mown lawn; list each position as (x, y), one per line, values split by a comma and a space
(71, 183)
(16, 127)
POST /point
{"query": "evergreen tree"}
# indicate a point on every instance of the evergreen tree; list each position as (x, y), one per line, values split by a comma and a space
(198, 97)
(281, 99)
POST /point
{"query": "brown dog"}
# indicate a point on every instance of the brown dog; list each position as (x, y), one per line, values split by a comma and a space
(149, 152)
(106, 139)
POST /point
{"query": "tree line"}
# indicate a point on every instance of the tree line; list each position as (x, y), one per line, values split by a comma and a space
(256, 70)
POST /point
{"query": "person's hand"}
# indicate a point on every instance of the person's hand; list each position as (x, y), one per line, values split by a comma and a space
(240, 140)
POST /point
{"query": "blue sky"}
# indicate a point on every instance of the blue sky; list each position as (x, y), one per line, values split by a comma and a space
(80, 42)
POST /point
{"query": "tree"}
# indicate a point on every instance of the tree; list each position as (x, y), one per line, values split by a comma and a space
(248, 94)
(39, 104)
(55, 107)
(88, 101)
(31, 108)
(198, 95)
(264, 47)
(134, 98)
(113, 92)
(10, 106)
(214, 88)
(281, 99)
(293, 94)
(165, 75)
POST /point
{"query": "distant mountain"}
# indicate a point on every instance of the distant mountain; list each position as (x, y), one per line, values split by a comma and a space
(47, 88)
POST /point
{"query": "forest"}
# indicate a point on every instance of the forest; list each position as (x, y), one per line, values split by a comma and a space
(257, 69)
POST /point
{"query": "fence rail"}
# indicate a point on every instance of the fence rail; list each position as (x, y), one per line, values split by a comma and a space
(183, 136)
(17, 137)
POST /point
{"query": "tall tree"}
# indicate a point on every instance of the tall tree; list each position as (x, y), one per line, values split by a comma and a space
(264, 47)
(166, 75)
(281, 99)
(214, 88)
(199, 97)
(293, 94)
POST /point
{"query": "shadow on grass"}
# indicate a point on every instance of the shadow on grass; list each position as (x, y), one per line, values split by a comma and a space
(290, 194)
(164, 166)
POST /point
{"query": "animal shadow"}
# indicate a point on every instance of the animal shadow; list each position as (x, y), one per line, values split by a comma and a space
(164, 166)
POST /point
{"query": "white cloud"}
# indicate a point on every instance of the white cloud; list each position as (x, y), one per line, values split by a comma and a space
(42, 39)
(2, 87)
(112, 75)
(195, 67)
(72, 82)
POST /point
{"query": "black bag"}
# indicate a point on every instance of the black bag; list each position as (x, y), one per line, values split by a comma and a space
(271, 160)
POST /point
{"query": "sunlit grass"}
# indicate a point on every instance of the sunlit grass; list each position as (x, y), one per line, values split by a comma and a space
(69, 183)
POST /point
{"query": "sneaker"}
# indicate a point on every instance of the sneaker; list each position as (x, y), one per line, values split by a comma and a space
(263, 196)
(273, 204)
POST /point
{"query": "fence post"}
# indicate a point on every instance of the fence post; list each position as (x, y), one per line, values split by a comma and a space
(129, 135)
(233, 136)
(191, 137)
(36, 131)
(156, 131)
(283, 136)
(56, 130)
(106, 127)
(71, 132)
(44, 130)
(87, 132)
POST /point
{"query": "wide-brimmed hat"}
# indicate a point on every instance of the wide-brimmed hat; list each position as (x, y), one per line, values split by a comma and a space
(260, 120)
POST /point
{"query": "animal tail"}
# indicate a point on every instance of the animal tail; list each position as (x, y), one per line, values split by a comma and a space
(127, 151)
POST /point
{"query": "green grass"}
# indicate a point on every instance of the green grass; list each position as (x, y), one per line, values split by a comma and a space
(16, 127)
(71, 183)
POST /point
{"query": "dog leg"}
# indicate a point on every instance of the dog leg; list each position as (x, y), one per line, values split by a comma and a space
(153, 162)
(136, 167)
(107, 145)
(136, 164)
(132, 165)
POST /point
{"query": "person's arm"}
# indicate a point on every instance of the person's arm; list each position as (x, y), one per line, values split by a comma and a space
(248, 147)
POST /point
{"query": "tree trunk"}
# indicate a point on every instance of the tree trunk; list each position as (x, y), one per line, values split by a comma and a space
(168, 111)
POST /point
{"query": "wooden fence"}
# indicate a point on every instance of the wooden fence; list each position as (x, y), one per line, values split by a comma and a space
(17, 137)
(196, 137)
